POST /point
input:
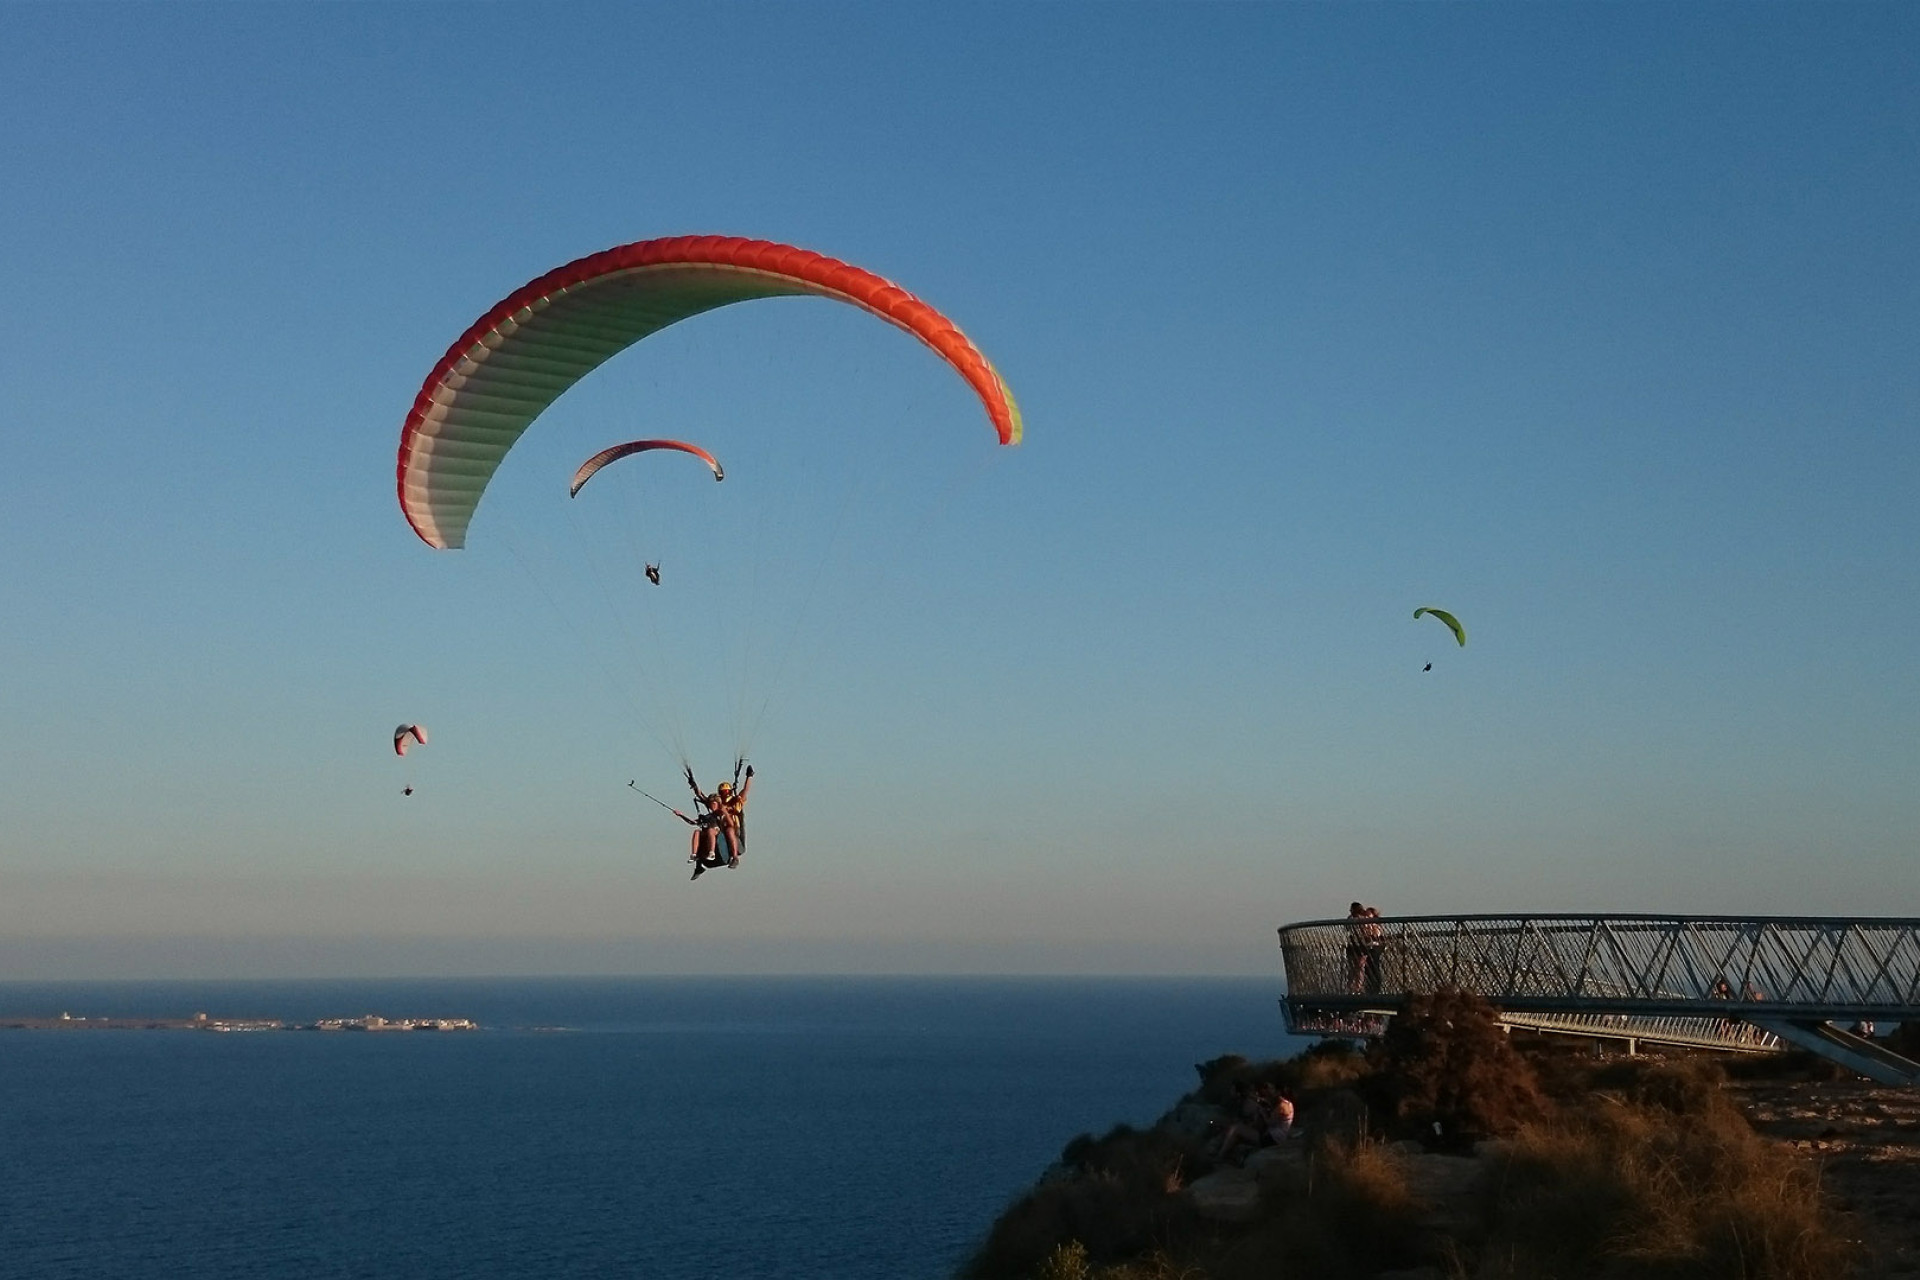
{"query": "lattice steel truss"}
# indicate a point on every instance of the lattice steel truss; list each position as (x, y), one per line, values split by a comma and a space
(1750, 968)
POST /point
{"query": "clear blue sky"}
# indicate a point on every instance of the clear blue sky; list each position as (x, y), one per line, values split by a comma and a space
(1594, 324)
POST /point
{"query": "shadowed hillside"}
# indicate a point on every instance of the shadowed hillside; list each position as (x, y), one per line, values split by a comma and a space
(1452, 1150)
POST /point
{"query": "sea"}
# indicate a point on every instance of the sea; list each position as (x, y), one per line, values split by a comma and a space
(666, 1128)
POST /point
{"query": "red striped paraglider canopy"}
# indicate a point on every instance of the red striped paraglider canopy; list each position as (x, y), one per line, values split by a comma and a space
(539, 340)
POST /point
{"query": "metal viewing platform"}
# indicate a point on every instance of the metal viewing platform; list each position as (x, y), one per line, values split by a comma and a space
(1750, 984)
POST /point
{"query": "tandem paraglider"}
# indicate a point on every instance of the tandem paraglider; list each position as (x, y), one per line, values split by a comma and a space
(719, 820)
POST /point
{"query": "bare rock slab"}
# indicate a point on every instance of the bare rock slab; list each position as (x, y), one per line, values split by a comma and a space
(1228, 1195)
(1274, 1164)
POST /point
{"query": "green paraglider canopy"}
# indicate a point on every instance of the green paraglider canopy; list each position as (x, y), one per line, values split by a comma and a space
(1453, 623)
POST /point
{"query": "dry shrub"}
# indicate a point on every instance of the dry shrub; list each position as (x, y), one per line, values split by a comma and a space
(1219, 1075)
(1686, 1086)
(1445, 1060)
(1067, 1262)
(1118, 1200)
(1361, 1186)
(1664, 1179)
(1337, 1115)
(1331, 1064)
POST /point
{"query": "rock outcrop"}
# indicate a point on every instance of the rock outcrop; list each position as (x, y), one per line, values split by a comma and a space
(1226, 1195)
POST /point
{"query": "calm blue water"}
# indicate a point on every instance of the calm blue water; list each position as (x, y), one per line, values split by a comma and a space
(678, 1128)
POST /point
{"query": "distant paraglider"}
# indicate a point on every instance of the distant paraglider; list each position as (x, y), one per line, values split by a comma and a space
(619, 451)
(627, 450)
(404, 737)
(1453, 623)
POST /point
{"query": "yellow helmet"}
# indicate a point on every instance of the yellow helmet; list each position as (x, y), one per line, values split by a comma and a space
(726, 786)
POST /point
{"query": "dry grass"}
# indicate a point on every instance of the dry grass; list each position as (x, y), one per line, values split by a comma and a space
(1660, 1178)
(1358, 1208)
(1070, 1262)
(1332, 1064)
(1352, 1215)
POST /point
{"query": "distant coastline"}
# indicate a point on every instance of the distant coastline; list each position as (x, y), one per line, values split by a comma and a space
(205, 1022)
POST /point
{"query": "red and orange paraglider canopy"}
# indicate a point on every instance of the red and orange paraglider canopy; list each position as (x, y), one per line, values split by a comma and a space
(545, 336)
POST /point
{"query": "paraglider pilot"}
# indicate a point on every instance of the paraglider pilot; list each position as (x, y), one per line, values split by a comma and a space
(731, 805)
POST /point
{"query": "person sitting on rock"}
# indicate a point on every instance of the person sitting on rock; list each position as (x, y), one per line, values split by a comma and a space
(1260, 1122)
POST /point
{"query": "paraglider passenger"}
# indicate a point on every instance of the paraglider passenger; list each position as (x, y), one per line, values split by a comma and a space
(653, 574)
(705, 828)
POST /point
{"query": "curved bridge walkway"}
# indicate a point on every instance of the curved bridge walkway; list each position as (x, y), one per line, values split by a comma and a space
(1745, 983)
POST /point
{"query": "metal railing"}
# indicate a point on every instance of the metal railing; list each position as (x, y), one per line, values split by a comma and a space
(1714, 969)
